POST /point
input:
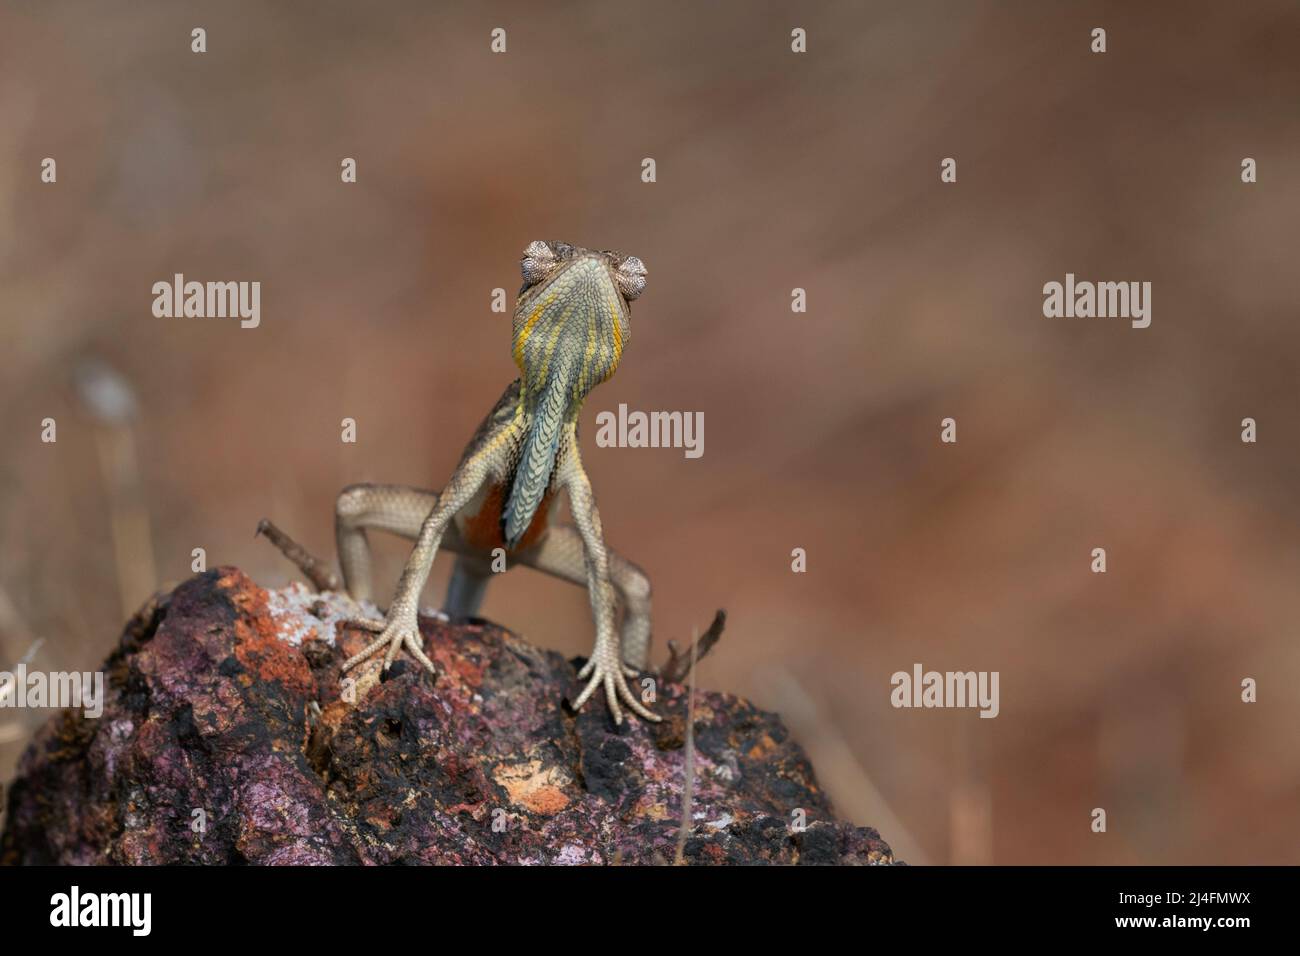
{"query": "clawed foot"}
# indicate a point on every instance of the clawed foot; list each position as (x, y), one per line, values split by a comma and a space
(606, 669)
(398, 632)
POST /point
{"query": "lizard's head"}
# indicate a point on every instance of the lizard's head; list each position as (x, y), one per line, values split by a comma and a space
(571, 319)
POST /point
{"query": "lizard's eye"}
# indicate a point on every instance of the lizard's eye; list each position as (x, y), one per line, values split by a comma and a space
(630, 276)
(537, 263)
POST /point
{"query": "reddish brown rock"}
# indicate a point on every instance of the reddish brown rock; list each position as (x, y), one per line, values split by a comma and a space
(225, 698)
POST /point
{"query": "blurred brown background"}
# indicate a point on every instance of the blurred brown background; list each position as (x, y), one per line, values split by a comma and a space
(775, 170)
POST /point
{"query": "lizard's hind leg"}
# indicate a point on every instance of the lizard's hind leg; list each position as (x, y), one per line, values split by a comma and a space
(394, 508)
(397, 509)
(465, 590)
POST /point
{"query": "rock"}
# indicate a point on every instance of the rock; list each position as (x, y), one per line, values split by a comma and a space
(227, 738)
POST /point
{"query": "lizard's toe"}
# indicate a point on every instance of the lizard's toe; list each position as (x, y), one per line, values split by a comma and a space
(635, 705)
(609, 676)
(414, 645)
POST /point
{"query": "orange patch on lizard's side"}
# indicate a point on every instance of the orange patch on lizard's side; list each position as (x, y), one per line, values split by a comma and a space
(483, 530)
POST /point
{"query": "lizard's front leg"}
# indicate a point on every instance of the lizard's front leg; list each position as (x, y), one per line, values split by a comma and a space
(401, 628)
(562, 554)
(396, 509)
(605, 667)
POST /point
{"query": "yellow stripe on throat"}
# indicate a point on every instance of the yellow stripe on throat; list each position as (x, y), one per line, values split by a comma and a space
(527, 330)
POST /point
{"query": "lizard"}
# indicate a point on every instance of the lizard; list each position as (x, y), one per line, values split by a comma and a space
(571, 325)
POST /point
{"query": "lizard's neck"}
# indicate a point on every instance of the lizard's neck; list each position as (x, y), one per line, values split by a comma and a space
(564, 347)
(547, 409)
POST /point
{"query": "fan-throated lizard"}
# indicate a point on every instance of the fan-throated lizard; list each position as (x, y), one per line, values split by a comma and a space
(571, 324)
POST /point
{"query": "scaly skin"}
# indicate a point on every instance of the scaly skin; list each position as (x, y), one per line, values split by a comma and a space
(571, 325)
